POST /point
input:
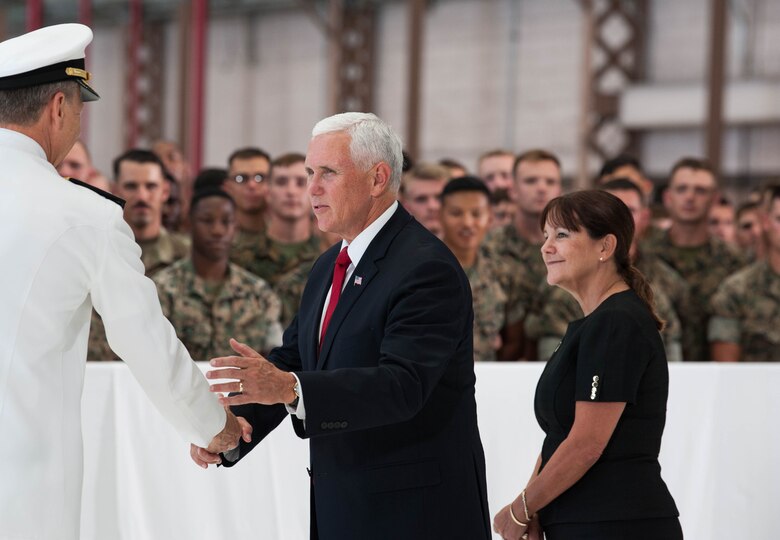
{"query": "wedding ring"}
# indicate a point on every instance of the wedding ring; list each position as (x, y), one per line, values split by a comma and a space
(241, 387)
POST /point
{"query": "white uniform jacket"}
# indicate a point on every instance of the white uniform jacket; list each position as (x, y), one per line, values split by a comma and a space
(64, 249)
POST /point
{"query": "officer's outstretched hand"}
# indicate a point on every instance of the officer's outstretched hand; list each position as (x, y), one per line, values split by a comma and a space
(236, 428)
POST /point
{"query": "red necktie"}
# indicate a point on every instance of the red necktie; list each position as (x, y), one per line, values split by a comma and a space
(339, 273)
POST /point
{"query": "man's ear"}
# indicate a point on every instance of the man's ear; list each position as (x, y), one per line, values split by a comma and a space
(381, 175)
(166, 190)
(55, 110)
(666, 198)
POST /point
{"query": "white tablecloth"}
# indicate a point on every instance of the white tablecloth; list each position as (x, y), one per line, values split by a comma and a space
(720, 457)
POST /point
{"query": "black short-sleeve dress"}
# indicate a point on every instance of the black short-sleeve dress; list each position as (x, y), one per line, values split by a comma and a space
(615, 354)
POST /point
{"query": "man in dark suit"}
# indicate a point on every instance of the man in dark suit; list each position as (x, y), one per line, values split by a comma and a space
(377, 367)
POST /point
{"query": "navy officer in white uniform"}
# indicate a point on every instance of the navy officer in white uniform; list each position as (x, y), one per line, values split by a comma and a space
(65, 249)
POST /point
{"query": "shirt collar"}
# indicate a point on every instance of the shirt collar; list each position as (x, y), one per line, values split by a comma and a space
(360, 244)
(20, 141)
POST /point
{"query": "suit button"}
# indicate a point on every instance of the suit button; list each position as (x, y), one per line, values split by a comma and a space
(330, 425)
(344, 425)
(324, 425)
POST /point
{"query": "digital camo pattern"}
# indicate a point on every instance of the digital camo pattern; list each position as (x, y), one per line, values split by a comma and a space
(245, 245)
(489, 301)
(163, 251)
(520, 270)
(272, 260)
(746, 310)
(289, 288)
(156, 254)
(549, 325)
(244, 308)
(704, 268)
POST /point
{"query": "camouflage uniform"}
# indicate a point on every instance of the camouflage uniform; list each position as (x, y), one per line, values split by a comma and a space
(245, 245)
(163, 251)
(156, 254)
(489, 307)
(549, 325)
(746, 311)
(205, 318)
(289, 288)
(271, 260)
(703, 268)
(520, 270)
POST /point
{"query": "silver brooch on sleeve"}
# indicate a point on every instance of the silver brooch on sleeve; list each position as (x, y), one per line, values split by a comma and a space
(594, 387)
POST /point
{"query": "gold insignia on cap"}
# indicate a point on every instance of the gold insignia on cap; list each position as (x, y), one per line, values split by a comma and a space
(76, 72)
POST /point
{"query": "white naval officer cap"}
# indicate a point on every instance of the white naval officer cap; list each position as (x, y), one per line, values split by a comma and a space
(47, 55)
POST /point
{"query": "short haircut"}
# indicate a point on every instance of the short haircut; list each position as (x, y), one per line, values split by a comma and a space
(451, 164)
(623, 184)
(623, 160)
(771, 194)
(425, 171)
(723, 201)
(24, 106)
(535, 156)
(408, 162)
(697, 164)
(211, 178)
(84, 147)
(138, 155)
(285, 160)
(465, 184)
(428, 171)
(744, 208)
(205, 193)
(500, 196)
(249, 152)
(496, 152)
(371, 140)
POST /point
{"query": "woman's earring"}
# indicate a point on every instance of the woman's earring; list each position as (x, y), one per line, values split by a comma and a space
(601, 259)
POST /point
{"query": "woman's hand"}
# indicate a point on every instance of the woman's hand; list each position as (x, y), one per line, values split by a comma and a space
(535, 531)
(504, 525)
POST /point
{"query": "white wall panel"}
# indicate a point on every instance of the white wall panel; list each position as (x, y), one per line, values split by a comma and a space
(105, 118)
(266, 84)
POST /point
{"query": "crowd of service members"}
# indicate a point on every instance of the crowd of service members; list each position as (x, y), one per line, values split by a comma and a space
(230, 249)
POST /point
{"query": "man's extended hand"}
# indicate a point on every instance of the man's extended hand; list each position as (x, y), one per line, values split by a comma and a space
(258, 380)
(227, 439)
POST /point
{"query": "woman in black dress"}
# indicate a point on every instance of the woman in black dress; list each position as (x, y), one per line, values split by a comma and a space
(601, 399)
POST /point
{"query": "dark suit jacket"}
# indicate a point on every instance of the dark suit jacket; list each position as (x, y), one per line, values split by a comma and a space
(390, 409)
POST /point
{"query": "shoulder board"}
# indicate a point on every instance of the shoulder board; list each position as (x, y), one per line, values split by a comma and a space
(111, 197)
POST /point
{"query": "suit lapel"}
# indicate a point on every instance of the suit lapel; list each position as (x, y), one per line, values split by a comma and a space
(366, 270)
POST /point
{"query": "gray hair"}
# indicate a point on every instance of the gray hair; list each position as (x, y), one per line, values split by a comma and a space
(372, 141)
(23, 106)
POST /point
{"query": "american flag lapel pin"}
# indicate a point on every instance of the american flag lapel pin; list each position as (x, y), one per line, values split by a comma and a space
(358, 280)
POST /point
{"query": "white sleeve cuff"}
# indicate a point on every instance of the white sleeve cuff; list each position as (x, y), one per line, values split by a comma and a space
(299, 410)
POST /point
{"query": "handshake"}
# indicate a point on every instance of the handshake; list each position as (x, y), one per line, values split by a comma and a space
(257, 381)
(236, 428)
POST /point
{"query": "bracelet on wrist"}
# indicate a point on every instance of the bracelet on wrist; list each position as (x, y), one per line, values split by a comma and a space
(525, 507)
(517, 521)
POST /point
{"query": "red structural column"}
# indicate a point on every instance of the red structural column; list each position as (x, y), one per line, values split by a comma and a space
(34, 15)
(197, 81)
(85, 12)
